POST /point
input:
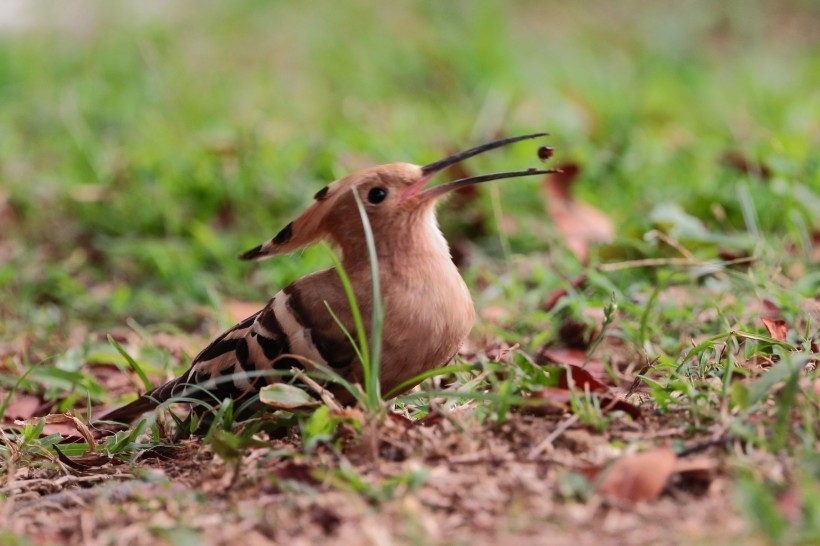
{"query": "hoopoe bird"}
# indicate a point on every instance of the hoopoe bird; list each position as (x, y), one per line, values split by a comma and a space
(428, 308)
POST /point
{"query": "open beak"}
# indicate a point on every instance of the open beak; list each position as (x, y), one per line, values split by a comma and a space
(429, 171)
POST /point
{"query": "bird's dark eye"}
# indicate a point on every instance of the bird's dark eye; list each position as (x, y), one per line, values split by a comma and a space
(376, 195)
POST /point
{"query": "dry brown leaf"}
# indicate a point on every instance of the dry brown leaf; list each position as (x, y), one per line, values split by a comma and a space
(640, 477)
(580, 225)
(770, 309)
(778, 328)
(22, 406)
(56, 423)
(559, 400)
(562, 355)
(612, 403)
(576, 377)
(579, 378)
(574, 357)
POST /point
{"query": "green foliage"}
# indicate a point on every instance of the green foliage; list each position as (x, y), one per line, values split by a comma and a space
(142, 153)
(321, 425)
(146, 383)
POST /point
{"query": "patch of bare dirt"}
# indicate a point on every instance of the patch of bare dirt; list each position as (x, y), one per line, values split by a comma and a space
(531, 479)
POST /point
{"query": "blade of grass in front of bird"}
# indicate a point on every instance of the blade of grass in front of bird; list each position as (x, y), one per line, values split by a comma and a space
(372, 385)
(132, 363)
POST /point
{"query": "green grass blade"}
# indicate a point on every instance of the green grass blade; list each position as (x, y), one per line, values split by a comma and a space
(132, 363)
(361, 348)
(372, 384)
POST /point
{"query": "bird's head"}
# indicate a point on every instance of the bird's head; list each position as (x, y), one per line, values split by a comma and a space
(394, 195)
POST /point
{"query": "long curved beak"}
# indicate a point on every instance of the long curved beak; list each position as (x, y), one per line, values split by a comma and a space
(430, 170)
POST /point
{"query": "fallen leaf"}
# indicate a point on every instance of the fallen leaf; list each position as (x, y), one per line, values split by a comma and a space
(562, 355)
(778, 328)
(579, 224)
(286, 397)
(22, 406)
(579, 378)
(66, 430)
(559, 400)
(640, 477)
(574, 357)
(54, 423)
(611, 403)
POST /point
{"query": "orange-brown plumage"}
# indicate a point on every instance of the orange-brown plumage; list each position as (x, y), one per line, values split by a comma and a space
(428, 309)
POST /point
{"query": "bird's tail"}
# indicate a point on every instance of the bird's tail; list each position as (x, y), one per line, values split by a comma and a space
(129, 412)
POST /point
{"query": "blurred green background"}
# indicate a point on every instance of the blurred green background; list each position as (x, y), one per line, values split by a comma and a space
(144, 145)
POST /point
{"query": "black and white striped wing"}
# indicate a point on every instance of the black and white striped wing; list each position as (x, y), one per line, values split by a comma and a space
(295, 329)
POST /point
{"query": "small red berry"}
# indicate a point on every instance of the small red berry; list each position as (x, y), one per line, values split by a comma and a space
(545, 152)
